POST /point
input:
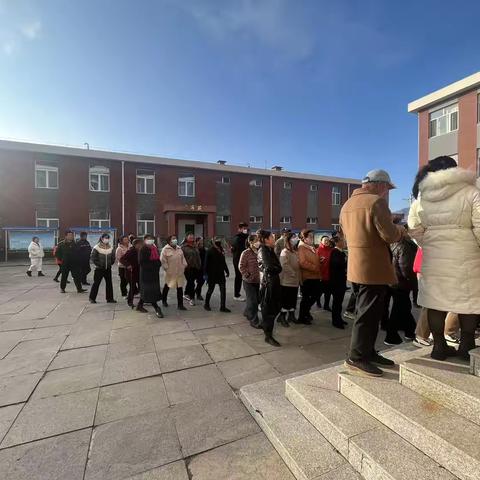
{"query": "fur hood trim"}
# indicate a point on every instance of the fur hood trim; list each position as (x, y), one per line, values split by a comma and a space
(437, 186)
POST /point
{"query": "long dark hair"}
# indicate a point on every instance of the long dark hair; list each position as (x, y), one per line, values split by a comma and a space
(440, 163)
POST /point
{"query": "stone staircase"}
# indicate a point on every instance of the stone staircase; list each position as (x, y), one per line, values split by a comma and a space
(421, 421)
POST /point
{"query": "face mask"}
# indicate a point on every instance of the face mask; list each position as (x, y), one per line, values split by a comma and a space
(174, 242)
(150, 241)
(294, 241)
(105, 240)
(245, 231)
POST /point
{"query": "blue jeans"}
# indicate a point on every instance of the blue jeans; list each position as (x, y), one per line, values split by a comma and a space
(251, 307)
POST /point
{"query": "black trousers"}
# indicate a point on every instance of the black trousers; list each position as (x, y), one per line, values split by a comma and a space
(370, 309)
(251, 305)
(122, 273)
(98, 275)
(84, 270)
(191, 275)
(353, 299)
(338, 294)
(132, 290)
(324, 290)
(166, 289)
(310, 289)
(223, 294)
(401, 317)
(289, 298)
(59, 272)
(238, 278)
(66, 269)
(200, 282)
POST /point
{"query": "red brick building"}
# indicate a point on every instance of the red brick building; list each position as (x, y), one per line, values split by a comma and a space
(62, 187)
(448, 123)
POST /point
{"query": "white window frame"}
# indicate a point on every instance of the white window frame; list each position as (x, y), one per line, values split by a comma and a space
(336, 227)
(286, 219)
(46, 169)
(48, 222)
(336, 195)
(223, 218)
(186, 182)
(146, 225)
(450, 113)
(99, 222)
(256, 182)
(225, 180)
(313, 188)
(145, 177)
(99, 172)
(312, 220)
(287, 185)
(256, 219)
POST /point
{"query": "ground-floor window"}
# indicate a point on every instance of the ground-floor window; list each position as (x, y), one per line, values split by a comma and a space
(100, 220)
(145, 224)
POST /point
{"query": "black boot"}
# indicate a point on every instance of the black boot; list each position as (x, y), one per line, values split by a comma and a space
(468, 324)
(291, 317)
(158, 312)
(282, 319)
(208, 296)
(436, 322)
(29, 273)
(270, 340)
(40, 274)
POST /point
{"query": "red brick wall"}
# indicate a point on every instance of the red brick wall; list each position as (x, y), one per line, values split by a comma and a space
(299, 203)
(467, 131)
(423, 125)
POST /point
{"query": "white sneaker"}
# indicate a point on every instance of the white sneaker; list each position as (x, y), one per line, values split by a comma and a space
(422, 342)
(452, 339)
(239, 299)
(349, 316)
(191, 302)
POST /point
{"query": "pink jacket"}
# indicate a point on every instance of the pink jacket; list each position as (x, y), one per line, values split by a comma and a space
(119, 253)
(417, 264)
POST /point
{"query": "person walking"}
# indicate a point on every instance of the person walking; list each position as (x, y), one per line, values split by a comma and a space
(289, 280)
(58, 262)
(84, 252)
(239, 244)
(103, 257)
(215, 272)
(174, 263)
(248, 267)
(324, 251)
(122, 248)
(366, 222)
(149, 278)
(67, 254)
(270, 288)
(310, 271)
(36, 254)
(200, 280)
(445, 217)
(130, 261)
(338, 281)
(401, 317)
(280, 243)
(194, 264)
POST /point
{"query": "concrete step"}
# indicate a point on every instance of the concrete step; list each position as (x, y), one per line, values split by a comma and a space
(376, 452)
(475, 362)
(449, 439)
(448, 383)
(304, 450)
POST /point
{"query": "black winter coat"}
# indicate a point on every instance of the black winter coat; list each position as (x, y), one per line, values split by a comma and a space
(215, 266)
(239, 244)
(67, 253)
(338, 269)
(270, 288)
(102, 260)
(149, 276)
(84, 251)
(403, 256)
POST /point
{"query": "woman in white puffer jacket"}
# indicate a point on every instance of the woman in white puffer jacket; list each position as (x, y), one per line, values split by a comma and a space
(445, 221)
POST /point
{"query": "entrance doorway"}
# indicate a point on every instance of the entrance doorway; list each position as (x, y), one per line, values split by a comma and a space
(186, 226)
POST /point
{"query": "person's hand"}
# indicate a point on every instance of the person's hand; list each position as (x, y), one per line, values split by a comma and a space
(322, 259)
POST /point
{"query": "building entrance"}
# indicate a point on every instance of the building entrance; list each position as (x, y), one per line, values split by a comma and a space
(186, 226)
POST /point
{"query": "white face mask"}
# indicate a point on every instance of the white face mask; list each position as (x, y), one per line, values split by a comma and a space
(105, 241)
(294, 241)
(245, 231)
(150, 241)
(174, 242)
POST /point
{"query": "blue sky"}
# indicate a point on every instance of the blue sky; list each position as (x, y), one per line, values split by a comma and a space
(316, 86)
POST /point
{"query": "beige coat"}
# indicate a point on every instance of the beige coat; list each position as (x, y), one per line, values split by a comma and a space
(445, 221)
(290, 274)
(174, 263)
(367, 224)
(309, 262)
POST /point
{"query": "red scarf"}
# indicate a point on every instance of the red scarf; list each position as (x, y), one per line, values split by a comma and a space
(154, 255)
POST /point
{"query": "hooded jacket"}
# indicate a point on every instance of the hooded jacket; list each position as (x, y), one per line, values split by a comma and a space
(174, 263)
(35, 250)
(445, 221)
(103, 258)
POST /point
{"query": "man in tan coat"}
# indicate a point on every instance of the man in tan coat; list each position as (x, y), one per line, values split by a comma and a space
(366, 222)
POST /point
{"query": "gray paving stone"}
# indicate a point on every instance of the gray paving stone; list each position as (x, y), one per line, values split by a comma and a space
(48, 332)
(79, 356)
(7, 416)
(210, 423)
(130, 368)
(8, 340)
(172, 471)
(251, 458)
(57, 458)
(68, 380)
(23, 365)
(175, 340)
(51, 416)
(133, 445)
(18, 388)
(86, 339)
(345, 472)
(257, 342)
(210, 335)
(196, 384)
(36, 310)
(130, 398)
(291, 359)
(229, 349)
(33, 347)
(180, 358)
(247, 370)
(245, 330)
(130, 349)
(12, 307)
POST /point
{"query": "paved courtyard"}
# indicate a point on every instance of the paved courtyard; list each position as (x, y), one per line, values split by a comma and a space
(103, 392)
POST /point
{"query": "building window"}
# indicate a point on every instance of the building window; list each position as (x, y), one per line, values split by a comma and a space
(223, 218)
(255, 219)
(99, 179)
(311, 220)
(336, 227)
(336, 195)
(145, 224)
(443, 121)
(145, 182)
(256, 182)
(48, 222)
(99, 220)
(46, 176)
(186, 187)
(287, 185)
(313, 188)
(285, 219)
(225, 180)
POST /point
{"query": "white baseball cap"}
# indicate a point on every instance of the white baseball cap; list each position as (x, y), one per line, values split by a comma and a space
(378, 176)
